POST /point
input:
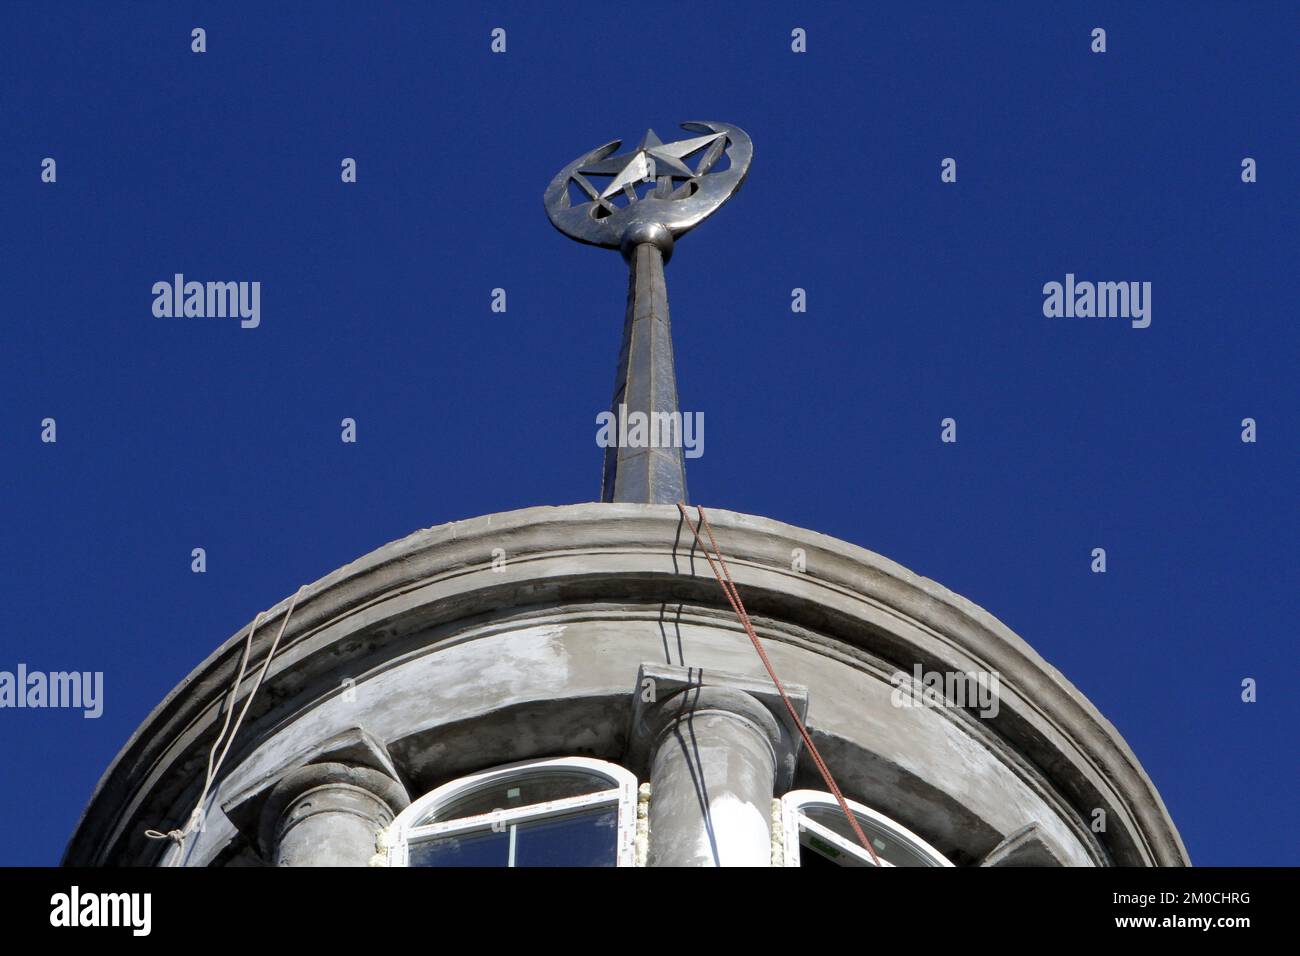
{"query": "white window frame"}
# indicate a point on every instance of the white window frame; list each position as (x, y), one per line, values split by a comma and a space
(793, 821)
(621, 793)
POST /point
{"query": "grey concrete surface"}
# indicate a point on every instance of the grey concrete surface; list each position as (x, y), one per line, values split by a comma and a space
(450, 665)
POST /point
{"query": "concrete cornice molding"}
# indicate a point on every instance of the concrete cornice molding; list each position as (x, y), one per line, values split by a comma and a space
(1028, 846)
(639, 554)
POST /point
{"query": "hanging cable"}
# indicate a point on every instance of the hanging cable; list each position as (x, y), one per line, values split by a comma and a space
(195, 819)
(733, 597)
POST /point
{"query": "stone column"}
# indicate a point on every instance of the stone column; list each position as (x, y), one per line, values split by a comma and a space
(715, 754)
(329, 814)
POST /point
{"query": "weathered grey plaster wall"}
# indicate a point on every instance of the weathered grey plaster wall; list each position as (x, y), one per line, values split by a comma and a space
(451, 665)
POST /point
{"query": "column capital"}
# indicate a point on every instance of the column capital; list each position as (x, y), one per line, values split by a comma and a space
(328, 788)
(667, 694)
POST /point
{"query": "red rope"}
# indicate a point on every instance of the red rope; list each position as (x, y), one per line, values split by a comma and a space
(733, 597)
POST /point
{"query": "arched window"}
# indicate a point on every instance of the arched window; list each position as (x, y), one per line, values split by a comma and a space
(570, 811)
(818, 834)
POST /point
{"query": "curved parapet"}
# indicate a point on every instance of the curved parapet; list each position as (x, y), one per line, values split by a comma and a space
(521, 635)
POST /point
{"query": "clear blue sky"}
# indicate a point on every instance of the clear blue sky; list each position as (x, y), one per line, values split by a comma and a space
(924, 301)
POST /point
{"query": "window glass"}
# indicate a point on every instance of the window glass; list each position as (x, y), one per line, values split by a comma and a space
(521, 790)
(817, 833)
(822, 854)
(556, 811)
(478, 848)
(583, 838)
(888, 847)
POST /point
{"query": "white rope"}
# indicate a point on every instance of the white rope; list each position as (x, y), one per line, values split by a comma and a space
(195, 819)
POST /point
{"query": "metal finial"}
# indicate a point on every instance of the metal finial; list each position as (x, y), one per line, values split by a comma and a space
(639, 202)
(682, 197)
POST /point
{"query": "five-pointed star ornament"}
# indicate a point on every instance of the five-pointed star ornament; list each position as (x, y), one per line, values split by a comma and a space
(651, 159)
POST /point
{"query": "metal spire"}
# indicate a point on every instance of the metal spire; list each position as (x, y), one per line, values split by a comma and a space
(640, 466)
(646, 381)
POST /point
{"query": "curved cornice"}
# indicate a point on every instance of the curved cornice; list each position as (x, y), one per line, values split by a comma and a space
(637, 554)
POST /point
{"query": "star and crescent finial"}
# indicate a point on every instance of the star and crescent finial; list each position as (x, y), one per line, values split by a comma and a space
(639, 203)
(650, 160)
(613, 214)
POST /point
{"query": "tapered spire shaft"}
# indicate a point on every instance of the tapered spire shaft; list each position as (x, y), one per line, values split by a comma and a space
(646, 383)
(639, 202)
